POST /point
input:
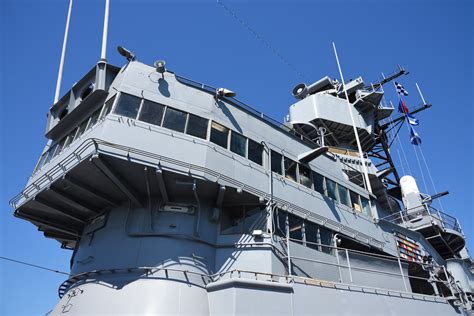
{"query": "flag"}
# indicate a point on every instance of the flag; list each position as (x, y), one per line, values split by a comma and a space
(415, 139)
(412, 120)
(400, 89)
(402, 107)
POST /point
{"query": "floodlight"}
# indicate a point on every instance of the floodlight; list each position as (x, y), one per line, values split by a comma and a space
(222, 92)
(126, 53)
(160, 66)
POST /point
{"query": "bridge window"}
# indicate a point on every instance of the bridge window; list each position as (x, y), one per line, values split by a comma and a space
(318, 182)
(127, 105)
(344, 195)
(219, 134)
(255, 152)
(305, 176)
(276, 162)
(82, 129)
(60, 146)
(175, 120)
(365, 206)
(151, 112)
(295, 226)
(94, 119)
(290, 169)
(107, 107)
(241, 220)
(331, 187)
(325, 239)
(238, 144)
(355, 201)
(197, 126)
(279, 223)
(69, 138)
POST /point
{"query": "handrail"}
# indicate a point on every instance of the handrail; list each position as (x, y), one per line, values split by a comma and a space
(93, 146)
(447, 221)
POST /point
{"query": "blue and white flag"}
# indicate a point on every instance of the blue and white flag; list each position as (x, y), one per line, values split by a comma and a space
(402, 108)
(400, 89)
(412, 120)
(415, 139)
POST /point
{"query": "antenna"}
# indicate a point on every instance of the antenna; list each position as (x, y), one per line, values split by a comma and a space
(63, 53)
(419, 91)
(359, 147)
(105, 32)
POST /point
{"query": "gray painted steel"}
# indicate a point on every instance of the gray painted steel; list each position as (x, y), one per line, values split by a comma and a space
(165, 223)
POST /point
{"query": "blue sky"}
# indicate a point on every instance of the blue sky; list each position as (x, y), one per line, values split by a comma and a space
(200, 40)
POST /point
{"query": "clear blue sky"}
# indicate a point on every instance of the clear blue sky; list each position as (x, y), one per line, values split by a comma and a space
(200, 40)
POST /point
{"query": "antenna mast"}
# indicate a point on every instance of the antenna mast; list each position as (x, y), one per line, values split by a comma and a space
(104, 34)
(359, 147)
(63, 53)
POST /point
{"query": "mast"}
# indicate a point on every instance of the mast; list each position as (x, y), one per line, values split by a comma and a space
(359, 147)
(63, 53)
(105, 32)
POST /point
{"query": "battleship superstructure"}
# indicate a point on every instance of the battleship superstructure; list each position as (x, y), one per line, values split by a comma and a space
(176, 198)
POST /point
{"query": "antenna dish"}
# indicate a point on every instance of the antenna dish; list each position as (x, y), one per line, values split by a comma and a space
(126, 53)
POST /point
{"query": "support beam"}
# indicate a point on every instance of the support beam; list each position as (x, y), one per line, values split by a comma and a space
(42, 222)
(91, 190)
(162, 185)
(57, 235)
(72, 202)
(116, 179)
(58, 209)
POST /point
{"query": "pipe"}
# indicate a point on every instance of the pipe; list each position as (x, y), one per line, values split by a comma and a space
(359, 147)
(198, 218)
(105, 32)
(63, 53)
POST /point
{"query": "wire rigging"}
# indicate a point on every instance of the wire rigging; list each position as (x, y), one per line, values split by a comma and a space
(33, 265)
(431, 178)
(419, 164)
(260, 38)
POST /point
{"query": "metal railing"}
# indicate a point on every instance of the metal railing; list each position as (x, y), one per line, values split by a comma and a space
(446, 221)
(347, 272)
(205, 279)
(92, 146)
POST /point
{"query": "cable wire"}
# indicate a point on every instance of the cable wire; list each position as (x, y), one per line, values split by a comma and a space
(260, 38)
(33, 265)
(431, 178)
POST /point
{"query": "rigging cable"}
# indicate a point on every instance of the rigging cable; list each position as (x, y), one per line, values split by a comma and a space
(400, 144)
(419, 164)
(431, 178)
(33, 265)
(260, 38)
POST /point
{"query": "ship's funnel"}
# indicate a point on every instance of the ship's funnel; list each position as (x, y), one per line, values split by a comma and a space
(410, 194)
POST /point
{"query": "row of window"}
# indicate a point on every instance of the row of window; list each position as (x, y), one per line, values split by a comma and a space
(161, 115)
(75, 134)
(180, 121)
(310, 234)
(183, 122)
(302, 174)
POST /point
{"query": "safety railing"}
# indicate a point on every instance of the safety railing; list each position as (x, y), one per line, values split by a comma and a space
(408, 215)
(94, 146)
(354, 267)
(343, 263)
